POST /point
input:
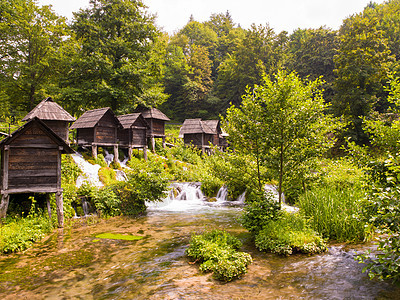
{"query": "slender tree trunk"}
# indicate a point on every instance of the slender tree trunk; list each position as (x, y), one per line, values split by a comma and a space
(280, 175)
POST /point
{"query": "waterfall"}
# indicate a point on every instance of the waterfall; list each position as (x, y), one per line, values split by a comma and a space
(90, 172)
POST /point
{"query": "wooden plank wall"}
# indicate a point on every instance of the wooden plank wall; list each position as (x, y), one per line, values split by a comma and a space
(59, 127)
(33, 161)
(158, 127)
(139, 138)
(85, 136)
(106, 131)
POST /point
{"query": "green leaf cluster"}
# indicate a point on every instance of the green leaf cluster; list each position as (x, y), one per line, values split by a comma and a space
(216, 251)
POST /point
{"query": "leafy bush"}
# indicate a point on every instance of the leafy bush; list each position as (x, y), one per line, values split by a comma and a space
(260, 212)
(335, 213)
(216, 250)
(107, 203)
(18, 234)
(385, 265)
(107, 175)
(146, 182)
(289, 234)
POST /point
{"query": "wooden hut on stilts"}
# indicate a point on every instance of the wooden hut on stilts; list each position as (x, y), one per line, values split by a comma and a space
(31, 163)
(197, 133)
(132, 135)
(53, 115)
(98, 127)
(156, 120)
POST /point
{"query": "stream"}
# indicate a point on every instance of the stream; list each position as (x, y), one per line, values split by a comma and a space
(73, 263)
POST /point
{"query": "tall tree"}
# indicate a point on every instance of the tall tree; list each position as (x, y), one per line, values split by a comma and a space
(30, 39)
(283, 124)
(362, 65)
(311, 55)
(111, 67)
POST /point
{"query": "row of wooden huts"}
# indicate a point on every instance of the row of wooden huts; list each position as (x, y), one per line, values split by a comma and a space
(31, 156)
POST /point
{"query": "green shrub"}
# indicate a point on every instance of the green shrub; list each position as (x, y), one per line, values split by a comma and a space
(289, 234)
(18, 234)
(146, 181)
(335, 213)
(107, 175)
(106, 202)
(259, 212)
(216, 250)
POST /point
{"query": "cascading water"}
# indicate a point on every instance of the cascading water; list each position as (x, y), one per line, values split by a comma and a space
(90, 172)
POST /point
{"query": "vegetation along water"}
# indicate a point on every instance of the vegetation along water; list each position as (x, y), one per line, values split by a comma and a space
(300, 201)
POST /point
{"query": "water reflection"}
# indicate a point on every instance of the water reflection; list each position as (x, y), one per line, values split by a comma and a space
(73, 264)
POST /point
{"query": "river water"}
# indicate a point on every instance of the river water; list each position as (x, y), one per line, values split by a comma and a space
(73, 264)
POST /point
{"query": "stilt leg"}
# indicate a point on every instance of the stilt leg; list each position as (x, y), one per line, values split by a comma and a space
(60, 210)
(116, 158)
(145, 153)
(153, 144)
(4, 205)
(94, 151)
(48, 205)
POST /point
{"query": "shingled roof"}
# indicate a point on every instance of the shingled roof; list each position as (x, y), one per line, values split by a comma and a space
(47, 109)
(192, 126)
(154, 113)
(128, 120)
(57, 139)
(90, 118)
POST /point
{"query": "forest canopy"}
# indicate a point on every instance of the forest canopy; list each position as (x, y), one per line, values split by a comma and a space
(112, 54)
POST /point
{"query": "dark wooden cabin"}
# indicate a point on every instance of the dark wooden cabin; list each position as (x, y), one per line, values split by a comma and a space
(53, 115)
(31, 163)
(156, 120)
(98, 127)
(197, 133)
(132, 135)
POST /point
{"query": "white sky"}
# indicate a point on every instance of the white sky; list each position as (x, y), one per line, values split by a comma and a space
(287, 15)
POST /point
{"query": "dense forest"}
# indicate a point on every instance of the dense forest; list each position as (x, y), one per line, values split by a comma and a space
(112, 54)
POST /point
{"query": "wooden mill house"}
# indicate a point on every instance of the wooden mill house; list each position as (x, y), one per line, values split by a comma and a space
(156, 120)
(98, 127)
(53, 115)
(31, 163)
(133, 133)
(197, 133)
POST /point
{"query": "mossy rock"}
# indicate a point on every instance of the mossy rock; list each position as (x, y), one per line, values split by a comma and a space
(119, 236)
(213, 199)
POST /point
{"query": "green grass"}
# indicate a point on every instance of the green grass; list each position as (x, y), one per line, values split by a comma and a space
(18, 234)
(334, 213)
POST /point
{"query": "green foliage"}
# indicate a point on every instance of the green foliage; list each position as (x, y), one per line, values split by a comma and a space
(216, 250)
(114, 59)
(289, 234)
(282, 125)
(336, 213)
(145, 182)
(259, 212)
(106, 202)
(385, 265)
(31, 38)
(18, 234)
(107, 175)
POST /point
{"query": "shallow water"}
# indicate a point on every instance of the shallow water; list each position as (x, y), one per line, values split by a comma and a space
(74, 264)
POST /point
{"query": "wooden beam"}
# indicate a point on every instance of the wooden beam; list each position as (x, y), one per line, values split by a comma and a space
(60, 209)
(30, 190)
(4, 205)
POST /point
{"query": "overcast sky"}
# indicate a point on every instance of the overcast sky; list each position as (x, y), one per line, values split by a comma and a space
(287, 15)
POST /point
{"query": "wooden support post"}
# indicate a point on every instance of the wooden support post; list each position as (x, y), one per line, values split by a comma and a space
(145, 153)
(116, 158)
(94, 151)
(163, 142)
(153, 144)
(60, 209)
(48, 205)
(4, 205)
(130, 151)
